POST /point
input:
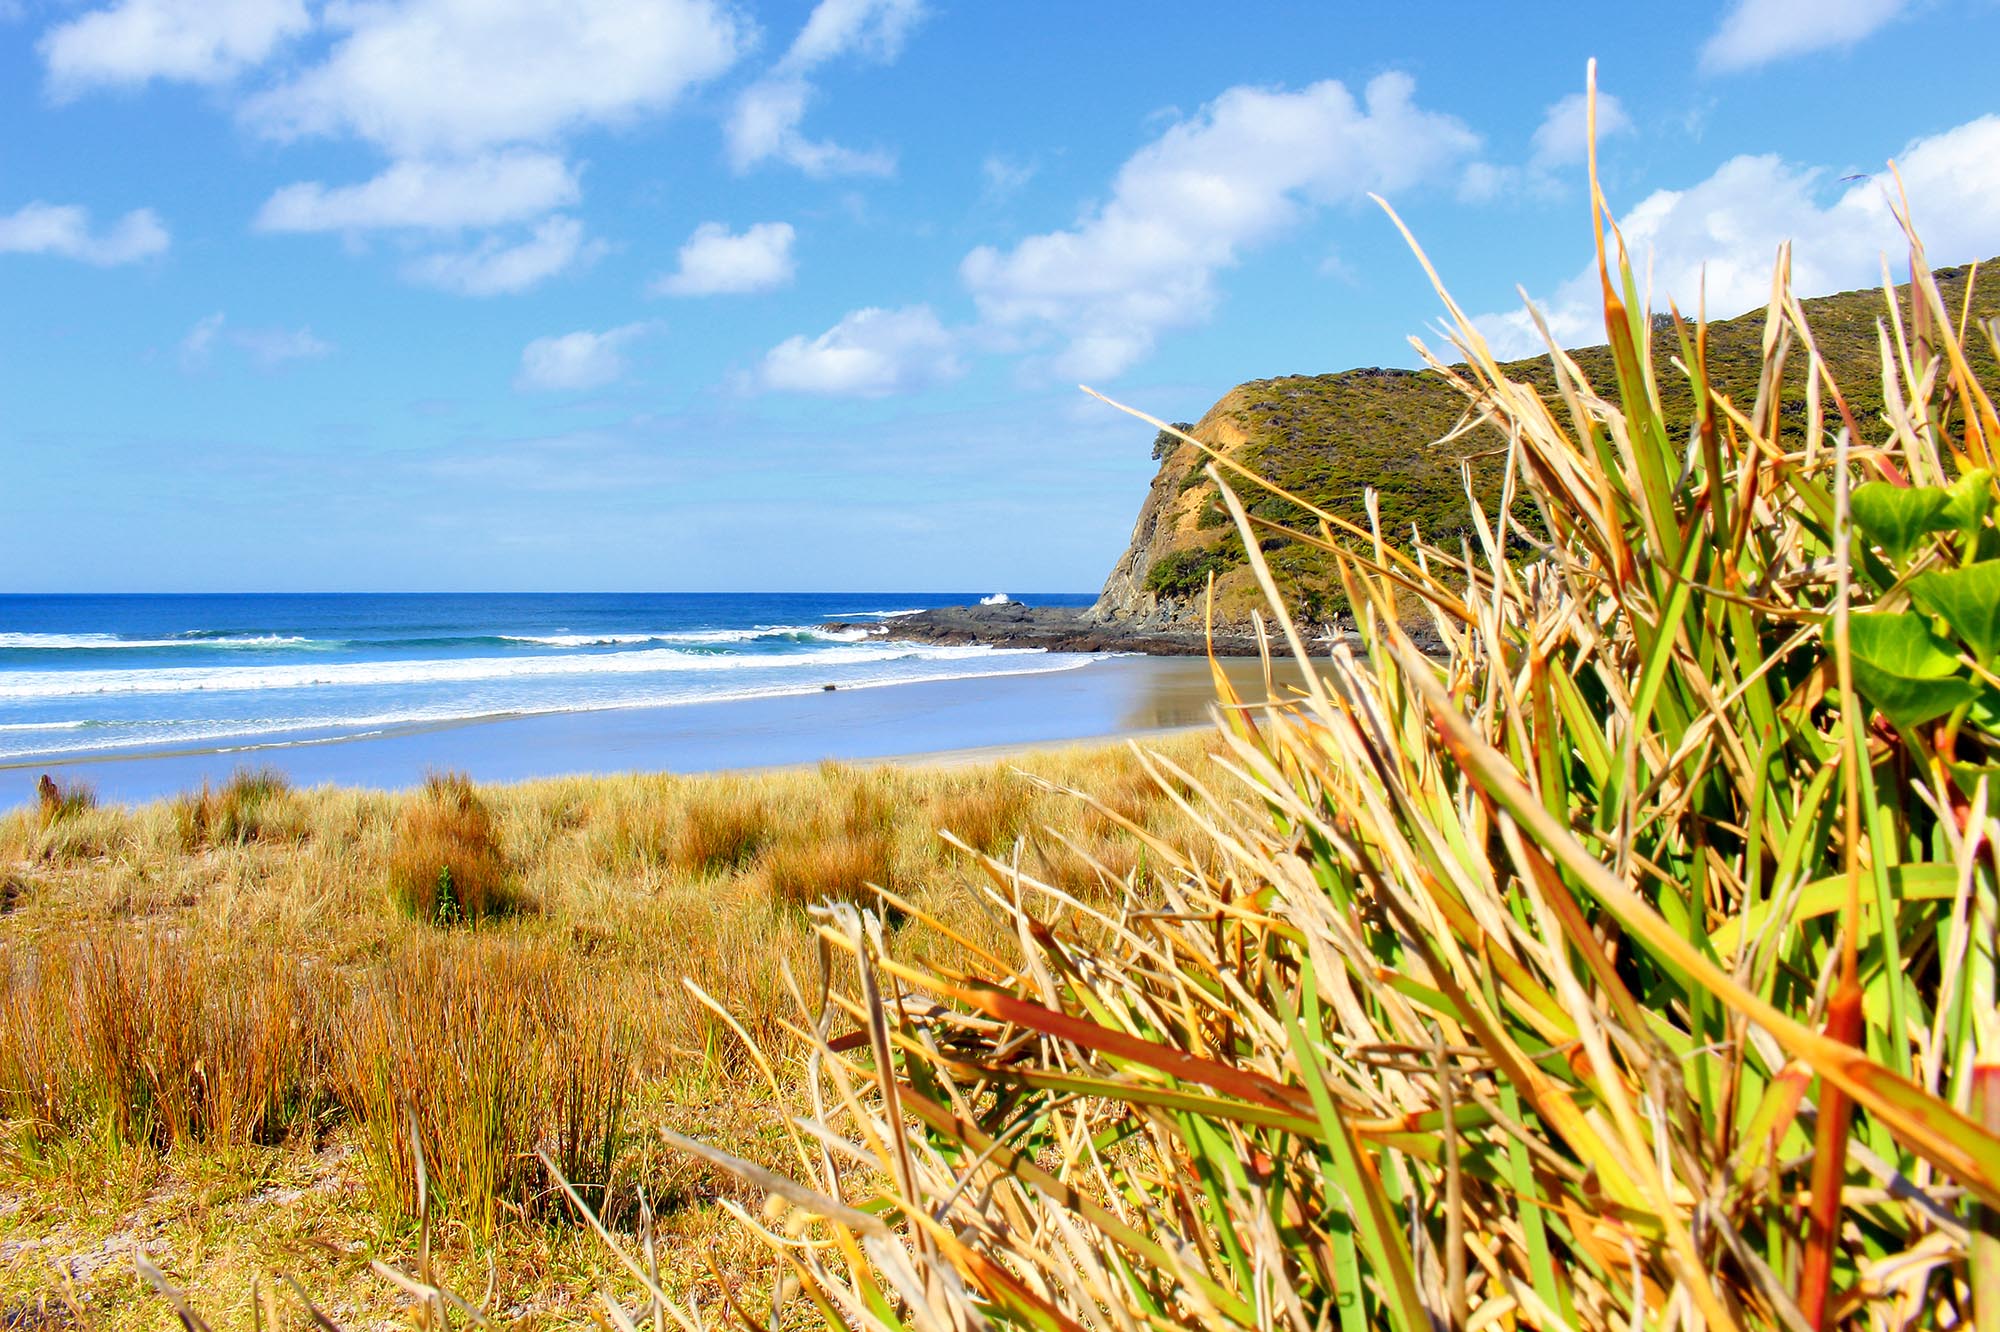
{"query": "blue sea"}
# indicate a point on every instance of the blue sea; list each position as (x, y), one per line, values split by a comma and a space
(114, 677)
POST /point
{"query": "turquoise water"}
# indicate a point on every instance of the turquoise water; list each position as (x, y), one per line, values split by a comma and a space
(87, 678)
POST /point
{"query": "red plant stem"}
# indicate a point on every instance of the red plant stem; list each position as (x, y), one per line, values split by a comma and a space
(1836, 1113)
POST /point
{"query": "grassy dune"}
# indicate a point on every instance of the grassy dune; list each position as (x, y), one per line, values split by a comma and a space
(218, 1012)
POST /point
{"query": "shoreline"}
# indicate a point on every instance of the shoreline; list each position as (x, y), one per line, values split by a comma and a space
(966, 719)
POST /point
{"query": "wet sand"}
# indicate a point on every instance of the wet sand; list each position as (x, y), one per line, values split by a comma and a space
(941, 720)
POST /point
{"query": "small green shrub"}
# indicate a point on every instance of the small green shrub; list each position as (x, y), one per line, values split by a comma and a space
(1183, 573)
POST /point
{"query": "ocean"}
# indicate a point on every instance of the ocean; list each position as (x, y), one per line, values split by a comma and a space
(100, 677)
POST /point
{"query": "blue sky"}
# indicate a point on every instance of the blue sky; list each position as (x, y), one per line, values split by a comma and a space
(684, 294)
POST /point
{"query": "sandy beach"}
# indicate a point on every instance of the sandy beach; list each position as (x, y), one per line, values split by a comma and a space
(1118, 696)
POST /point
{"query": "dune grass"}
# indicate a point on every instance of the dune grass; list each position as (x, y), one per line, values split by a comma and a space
(1630, 963)
(223, 1016)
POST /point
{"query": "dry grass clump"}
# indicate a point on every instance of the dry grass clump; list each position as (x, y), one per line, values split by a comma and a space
(488, 1051)
(838, 863)
(253, 804)
(986, 815)
(445, 862)
(713, 827)
(841, 845)
(56, 801)
(127, 1034)
(719, 830)
(1628, 962)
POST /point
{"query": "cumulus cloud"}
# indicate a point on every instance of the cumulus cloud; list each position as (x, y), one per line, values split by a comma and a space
(433, 78)
(495, 267)
(713, 261)
(484, 191)
(1243, 168)
(269, 348)
(1724, 232)
(196, 41)
(64, 230)
(1757, 32)
(580, 360)
(764, 124)
(870, 354)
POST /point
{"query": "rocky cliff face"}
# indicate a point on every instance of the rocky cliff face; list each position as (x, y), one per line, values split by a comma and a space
(1168, 522)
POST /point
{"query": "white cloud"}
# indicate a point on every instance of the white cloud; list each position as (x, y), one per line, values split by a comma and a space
(1562, 140)
(1563, 137)
(268, 347)
(494, 267)
(870, 354)
(1725, 232)
(198, 41)
(1247, 165)
(765, 122)
(1756, 32)
(64, 230)
(580, 360)
(455, 77)
(713, 261)
(482, 191)
(875, 29)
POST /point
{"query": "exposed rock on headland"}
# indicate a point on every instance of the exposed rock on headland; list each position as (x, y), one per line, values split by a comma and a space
(1052, 628)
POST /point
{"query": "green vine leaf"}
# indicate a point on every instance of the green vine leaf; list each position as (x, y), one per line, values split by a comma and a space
(1898, 518)
(1968, 601)
(1970, 500)
(1905, 669)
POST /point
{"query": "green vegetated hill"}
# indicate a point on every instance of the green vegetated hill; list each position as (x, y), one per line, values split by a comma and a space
(1330, 437)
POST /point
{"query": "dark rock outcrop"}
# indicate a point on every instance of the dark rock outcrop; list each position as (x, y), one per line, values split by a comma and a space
(1052, 628)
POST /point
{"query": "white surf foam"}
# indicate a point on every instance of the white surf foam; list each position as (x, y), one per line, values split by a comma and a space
(690, 637)
(271, 732)
(26, 685)
(74, 642)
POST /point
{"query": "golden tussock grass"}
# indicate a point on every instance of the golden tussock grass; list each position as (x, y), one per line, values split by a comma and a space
(227, 1004)
(487, 1052)
(445, 863)
(252, 804)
